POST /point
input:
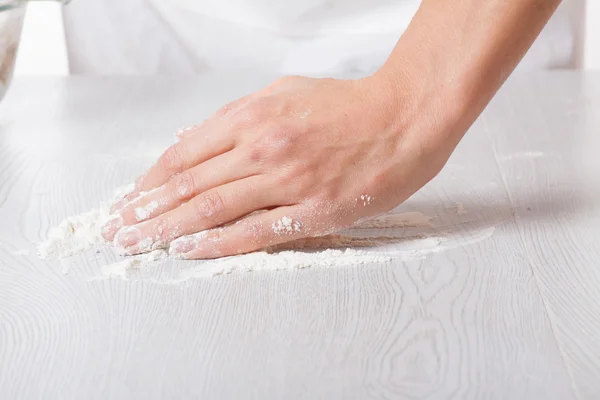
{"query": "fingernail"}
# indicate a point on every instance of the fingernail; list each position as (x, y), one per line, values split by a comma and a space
(127, 237)
(118, 206)
(181, 246)
(123, 191)
(197, 242)
(144, 246)
(122, 202)
(110, 229)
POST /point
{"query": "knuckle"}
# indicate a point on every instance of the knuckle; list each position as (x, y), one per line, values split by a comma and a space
(209, 204)
(257, 154)
(281, 138)
(184, 184)
(256, 111)
(172, 159)
(276, 141)
(269, 146)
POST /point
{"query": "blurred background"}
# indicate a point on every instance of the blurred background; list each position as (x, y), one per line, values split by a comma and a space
(43, 48)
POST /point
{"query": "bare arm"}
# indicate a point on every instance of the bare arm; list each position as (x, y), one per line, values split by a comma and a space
(456, 54)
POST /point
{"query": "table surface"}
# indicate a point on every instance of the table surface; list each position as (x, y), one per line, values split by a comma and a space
(514, 315)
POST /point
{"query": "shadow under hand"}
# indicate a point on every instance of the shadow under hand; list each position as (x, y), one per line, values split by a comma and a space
(464, 219)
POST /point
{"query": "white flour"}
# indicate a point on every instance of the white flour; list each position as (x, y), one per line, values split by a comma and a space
(286, 225)
(79, 233)
(325, 252)
(82, 232)
(143, 213)
(75, 234)
(264, 261)
(121, 269)
(366, 199)
(373, 251)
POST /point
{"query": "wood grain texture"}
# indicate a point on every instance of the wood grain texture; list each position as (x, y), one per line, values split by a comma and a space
(509, 316)
(551, 166)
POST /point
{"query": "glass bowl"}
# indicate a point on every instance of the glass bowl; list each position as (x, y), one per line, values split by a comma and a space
(12, 14)
(11, 23)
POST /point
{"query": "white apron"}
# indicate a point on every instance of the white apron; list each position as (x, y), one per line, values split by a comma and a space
(309, 37)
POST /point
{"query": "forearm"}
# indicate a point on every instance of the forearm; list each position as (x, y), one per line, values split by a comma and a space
(457, 53)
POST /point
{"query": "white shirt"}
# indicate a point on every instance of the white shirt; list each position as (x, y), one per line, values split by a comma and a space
(308, 37)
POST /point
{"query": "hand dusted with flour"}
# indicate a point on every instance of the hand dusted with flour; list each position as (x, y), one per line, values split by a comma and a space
(292, 150)
(306, 157)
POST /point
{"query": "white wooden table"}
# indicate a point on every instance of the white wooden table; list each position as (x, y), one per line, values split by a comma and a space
(512, 316)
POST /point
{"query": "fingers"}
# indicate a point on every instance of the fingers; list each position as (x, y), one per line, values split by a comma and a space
(212, 208)
(184, 155)
(176, 158)
(179, 189)
(252, 233)
(197, 144)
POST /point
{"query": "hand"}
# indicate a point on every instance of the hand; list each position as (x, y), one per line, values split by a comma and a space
(303, 157)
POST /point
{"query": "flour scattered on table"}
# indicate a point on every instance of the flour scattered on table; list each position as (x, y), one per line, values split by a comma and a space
(330, 252)
(79, 233)
(121, 269)
(75, 234)
(360, 245)
(264, 261)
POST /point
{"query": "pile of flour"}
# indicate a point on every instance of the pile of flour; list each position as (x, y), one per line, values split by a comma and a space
(79, 233)
(121, 269)
(75, 234)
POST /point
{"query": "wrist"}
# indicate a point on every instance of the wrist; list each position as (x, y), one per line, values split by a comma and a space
(436, 108)
(455, 55)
